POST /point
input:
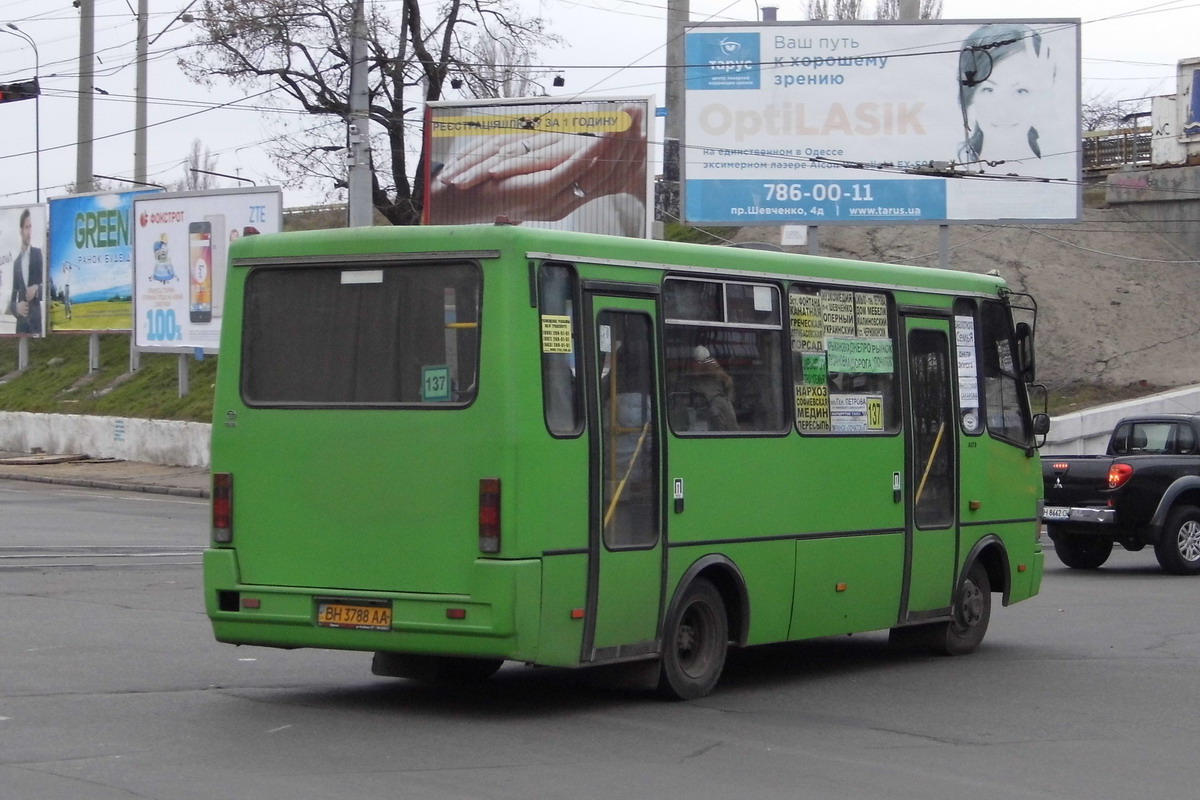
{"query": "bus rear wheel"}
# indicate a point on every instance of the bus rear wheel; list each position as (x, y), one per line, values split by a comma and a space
(971, 614)
(695, 641)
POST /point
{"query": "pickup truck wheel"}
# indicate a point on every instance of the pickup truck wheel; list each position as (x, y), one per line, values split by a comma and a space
(1178, 548)
(1081, 550)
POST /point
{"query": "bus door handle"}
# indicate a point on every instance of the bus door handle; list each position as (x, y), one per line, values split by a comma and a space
(896, 493)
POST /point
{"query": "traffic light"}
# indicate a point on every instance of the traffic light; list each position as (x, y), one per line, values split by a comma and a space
(25, 90)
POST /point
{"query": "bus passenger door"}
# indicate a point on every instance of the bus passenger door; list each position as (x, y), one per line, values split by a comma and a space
(625, 547)
(932, 471)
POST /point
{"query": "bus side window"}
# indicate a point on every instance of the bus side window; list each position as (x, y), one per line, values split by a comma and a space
(724, 362)
(561, 389)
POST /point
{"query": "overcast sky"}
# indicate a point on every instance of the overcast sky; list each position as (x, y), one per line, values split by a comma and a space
(1129, 50)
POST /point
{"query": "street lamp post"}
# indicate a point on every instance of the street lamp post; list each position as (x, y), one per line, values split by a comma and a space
(37, 107)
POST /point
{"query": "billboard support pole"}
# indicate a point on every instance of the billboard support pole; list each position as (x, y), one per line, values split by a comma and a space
(814, 240)
(944, 246)
(23, 354)
(94, 352)
(183, 375)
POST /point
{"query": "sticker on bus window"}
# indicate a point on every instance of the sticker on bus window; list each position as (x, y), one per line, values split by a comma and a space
(556, 334)
(964, 331)
(870, 315)
(605, 338)
(435, 383)
(815, 373)
(808, 331)
(837, 313)
(764, 298)
(812, 408)
(860, 355)
(855, 413)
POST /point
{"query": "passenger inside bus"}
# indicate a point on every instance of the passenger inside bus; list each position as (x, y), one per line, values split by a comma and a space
(710, 391)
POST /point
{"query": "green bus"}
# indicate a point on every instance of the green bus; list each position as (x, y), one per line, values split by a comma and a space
(457, 446)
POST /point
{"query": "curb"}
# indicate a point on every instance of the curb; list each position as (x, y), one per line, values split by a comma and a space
(88, 483)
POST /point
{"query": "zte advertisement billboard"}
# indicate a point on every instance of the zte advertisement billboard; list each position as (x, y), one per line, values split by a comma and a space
(23, 270)
(578, 165)
(91, 261)
(823, 123)
(181, 258)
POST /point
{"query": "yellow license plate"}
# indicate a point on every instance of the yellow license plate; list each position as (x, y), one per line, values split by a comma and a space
(354, 614)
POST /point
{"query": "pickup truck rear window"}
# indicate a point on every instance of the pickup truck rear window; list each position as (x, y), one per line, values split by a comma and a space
(1152, 438)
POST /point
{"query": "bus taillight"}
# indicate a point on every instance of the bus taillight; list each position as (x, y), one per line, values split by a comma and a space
(222, 507)
(489, 515)
(1118, 474)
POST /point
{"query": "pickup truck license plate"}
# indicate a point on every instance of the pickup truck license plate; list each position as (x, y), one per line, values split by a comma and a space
(357, 614)
(1055, 513)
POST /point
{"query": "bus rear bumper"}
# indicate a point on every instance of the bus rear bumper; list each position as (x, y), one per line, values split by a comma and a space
(497, 619)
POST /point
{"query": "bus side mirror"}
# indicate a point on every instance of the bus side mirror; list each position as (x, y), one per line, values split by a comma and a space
(1025, 352)
(1041, 424)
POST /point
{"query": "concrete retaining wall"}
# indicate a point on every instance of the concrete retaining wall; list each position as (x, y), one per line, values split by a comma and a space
(1086, 432)
(156, 441)
(186, 444)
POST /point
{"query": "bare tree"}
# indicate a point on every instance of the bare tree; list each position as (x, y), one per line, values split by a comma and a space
(1101, 112)
(502, 69)
(853, 9)
(303, 48)
(200, 158)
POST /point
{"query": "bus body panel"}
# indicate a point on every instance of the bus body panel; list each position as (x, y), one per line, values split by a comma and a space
(381, 504)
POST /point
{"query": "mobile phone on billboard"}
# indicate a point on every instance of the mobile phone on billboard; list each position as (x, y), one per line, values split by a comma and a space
(220, 261)
(200, 281)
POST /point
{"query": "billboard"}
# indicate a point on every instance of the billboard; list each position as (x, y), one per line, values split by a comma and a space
(820, 123)
(91, 261)
(181, 259)
(577, 164)
(23, 270)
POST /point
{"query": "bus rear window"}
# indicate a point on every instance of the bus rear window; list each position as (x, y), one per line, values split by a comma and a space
(359, 335)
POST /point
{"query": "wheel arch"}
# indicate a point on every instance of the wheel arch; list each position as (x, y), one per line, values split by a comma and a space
(723, 574)
(993, 555)
(1184, 491)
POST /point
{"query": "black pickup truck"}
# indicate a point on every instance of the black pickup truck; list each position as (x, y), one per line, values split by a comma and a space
(1144, 490)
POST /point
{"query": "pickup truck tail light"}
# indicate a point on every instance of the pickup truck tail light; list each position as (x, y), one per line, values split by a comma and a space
(1118, 474)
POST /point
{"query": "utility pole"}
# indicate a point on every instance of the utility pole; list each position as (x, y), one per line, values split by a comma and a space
(87, 59)
(360, 211)
(139, 114)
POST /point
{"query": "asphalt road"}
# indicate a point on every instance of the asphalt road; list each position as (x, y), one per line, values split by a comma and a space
(112, 688)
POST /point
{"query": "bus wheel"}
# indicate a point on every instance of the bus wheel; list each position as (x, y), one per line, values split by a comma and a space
(434, 669)
(1178, 547)
(1081, 551)
(694, 644)
(972, 611)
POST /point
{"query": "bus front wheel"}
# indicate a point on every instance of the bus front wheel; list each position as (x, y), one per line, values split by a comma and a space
(695, 641)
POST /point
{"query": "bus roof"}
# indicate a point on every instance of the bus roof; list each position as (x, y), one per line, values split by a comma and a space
(594, 248)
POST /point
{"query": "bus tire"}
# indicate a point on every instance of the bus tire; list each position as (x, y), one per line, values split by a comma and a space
(695, 641)
(970, 615)
(1081, 550)
(1178, 547)
(434, 669)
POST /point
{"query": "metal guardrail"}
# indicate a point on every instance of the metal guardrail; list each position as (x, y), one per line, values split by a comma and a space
(1112, 149)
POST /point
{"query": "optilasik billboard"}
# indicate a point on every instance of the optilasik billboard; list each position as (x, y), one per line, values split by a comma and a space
(820, 123)
(577, 164)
